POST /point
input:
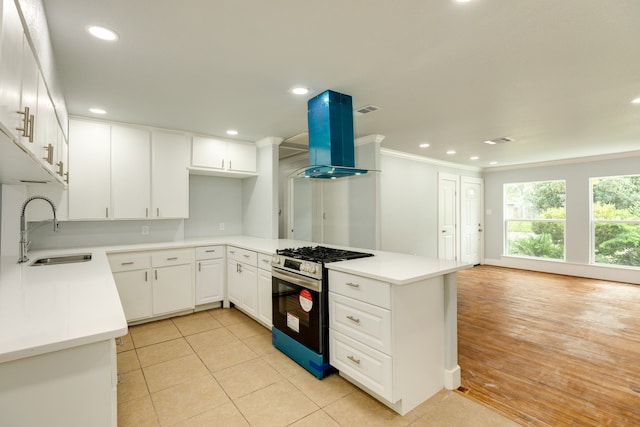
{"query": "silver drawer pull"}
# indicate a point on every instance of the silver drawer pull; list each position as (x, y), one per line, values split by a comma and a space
(210, 250)
(246, 256)
(172, 258)
(354, 360)
(127, 263)
(266, 260)
(353, 319)
(353, 285)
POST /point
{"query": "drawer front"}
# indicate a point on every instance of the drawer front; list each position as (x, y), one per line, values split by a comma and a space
(129, 262)
(174, 257)
(264, 261)
(366, 323)
(364, 364)
(361, 288)
(209, 252)
(242, 255)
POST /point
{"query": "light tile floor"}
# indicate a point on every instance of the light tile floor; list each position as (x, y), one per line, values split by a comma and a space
(218, 368)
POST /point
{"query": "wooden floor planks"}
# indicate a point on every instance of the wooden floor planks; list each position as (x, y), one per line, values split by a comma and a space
(550, 350)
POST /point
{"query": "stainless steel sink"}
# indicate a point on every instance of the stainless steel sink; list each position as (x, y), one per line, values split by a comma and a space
(61, 259)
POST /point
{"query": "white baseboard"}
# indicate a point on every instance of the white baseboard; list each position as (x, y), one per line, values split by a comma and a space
(616, 274)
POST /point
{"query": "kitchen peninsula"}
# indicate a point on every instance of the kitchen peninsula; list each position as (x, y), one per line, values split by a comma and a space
(53, 318)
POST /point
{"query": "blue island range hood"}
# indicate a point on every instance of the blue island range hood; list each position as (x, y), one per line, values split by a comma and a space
(331, 141)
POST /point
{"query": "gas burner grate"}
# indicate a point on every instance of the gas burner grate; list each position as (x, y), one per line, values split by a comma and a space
(321, 254)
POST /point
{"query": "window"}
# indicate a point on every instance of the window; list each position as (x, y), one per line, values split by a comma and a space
(534, 215)
(615, 220)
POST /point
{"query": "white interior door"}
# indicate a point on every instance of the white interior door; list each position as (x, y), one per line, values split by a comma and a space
(471, 200)
(447, 216)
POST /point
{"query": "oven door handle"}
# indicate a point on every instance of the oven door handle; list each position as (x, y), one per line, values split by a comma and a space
(305, 282)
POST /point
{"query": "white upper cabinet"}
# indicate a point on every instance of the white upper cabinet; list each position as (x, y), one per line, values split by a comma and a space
(208, 153)
(170, 175)
(11, 36)
(211, 156)
(29, 100)
(90, 170)
(130, 172)
(242, 156)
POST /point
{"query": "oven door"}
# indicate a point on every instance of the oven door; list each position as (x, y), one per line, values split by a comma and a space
(298, 308)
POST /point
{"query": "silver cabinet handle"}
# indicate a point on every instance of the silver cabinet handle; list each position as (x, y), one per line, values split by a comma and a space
(146, 276)
(146, 212)
(354, 360)
(106, 212)
(353, 319)
(199, 266)
(210, 250)
(60, 165)
(353, 285)
(127, 263)
(32, 121)
(230, 165)
(157, 211)
(49, 157)
(266, 261)
(222, 163)
(25, 122)
(245, 255)
(232, 252)
(173, 258)
(156, 271)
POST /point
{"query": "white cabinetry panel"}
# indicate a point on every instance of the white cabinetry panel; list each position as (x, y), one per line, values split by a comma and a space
(90, 170)
(130, 172)
(170, 175)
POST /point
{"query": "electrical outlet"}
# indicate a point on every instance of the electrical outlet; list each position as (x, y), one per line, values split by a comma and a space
(222, 226)
(145, 230)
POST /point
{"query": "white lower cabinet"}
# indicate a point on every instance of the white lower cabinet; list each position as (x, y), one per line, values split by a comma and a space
(265, 316)
(242, 280)
(388, 339)
(209, 274)
(151, 284)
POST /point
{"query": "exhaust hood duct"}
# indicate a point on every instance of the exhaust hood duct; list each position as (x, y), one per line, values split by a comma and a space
(331, 141)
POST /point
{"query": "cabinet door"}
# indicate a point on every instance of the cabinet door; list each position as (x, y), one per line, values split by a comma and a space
(170, 175)
(10, 68)
(242, 157)
(29, 96)
(130, 172)
(209, 281)
(89, 170)
(208, 153)
(134, 289)
(172, 289)
(249, 278)
(234, 282)
(264, 297)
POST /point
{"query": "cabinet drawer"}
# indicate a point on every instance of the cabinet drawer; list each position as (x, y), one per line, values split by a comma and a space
(167, 258)
(366, 323)
(264, 261)
(364, 364)
(361, 288)
(242, 255)
(129, 262)
(209, 252)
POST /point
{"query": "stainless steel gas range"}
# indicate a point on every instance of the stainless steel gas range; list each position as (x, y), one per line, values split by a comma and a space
(300, 304)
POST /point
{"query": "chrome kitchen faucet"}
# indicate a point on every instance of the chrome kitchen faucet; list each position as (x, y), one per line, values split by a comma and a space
(24, 239)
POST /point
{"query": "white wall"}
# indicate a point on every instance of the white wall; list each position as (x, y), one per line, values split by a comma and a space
(214, 200)
(577, 245)
(11, 200)
(409, 202)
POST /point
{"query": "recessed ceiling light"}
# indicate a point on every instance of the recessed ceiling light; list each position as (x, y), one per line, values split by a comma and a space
(425, 145)
(300, 90)
(232, 132)
(451, 152)
(493, 163)
(636, 101)
(102, 33)
(474, 158)
(97, 111)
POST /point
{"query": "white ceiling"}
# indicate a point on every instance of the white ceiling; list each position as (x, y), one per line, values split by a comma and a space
(557, 76)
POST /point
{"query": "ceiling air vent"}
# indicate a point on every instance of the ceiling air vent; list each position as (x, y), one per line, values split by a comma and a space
(501, 140)
(366, 110)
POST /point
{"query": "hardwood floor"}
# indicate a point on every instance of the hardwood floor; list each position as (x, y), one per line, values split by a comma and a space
(550, 350)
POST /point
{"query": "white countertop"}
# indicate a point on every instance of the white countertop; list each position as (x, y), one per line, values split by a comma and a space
(49, 308)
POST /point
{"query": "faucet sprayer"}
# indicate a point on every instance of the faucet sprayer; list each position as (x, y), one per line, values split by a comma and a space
(24, 240)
